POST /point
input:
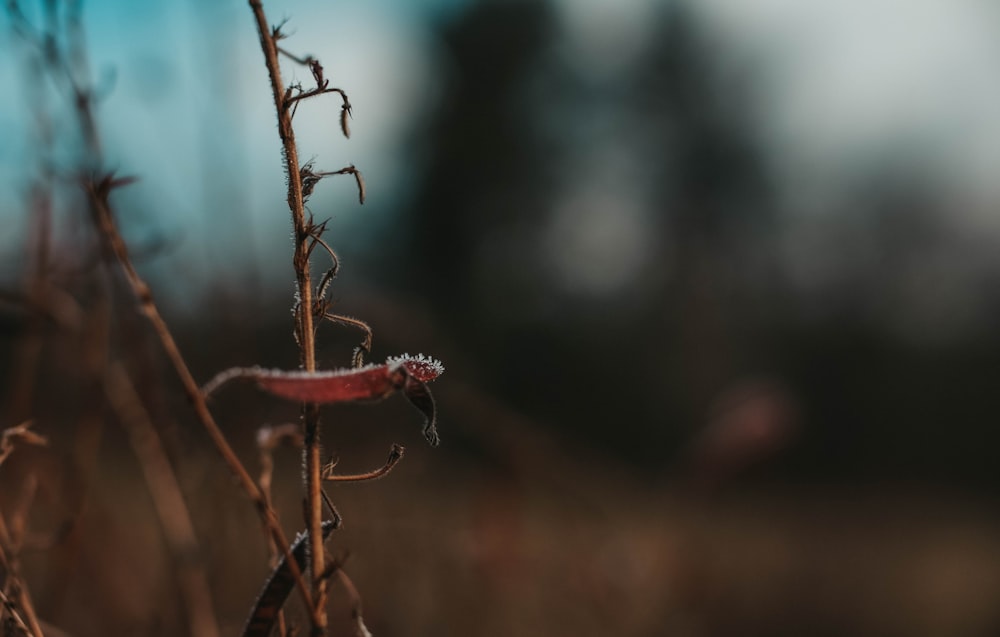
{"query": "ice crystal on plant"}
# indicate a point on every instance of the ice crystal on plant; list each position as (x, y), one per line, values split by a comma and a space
(423, 368)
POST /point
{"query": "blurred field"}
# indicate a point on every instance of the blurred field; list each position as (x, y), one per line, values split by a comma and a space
(537, 541)
(509, 530)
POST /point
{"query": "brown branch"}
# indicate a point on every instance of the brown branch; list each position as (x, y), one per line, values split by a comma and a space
(306, 61)
(395, 455)
(304, 328)
(358, 177)
(366, 342)
(356, 607)
(21, 434)
(268, 438)
(304, 95)
(108, 231)
(22, 598)
(322, 87)
(332, 272)
(11, 608)
(70, 68)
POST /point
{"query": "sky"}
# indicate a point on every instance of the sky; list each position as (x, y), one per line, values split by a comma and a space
(856, 82)
(847, 89)
(187, 98)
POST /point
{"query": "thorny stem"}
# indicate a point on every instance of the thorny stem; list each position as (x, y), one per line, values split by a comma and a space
(114, 242)
(304, 329)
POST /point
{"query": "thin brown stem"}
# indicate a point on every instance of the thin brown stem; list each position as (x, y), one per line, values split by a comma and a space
(318, 91)
(22, 598)
(268, 438)
(20, 434)
(11, 609)
(356, 606)
(113, 241)
(366, 341)
(358, 178)
(294, 58)
(395, 455)
(305, 328)
(72, 69)
(317, 240)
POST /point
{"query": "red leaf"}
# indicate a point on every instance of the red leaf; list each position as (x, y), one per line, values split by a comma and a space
(329, 387)
(373, 382)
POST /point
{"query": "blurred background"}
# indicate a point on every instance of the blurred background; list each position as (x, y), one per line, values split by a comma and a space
(715, 285)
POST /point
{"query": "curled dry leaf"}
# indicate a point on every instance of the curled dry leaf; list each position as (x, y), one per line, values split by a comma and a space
(278, 586)
(372, 382)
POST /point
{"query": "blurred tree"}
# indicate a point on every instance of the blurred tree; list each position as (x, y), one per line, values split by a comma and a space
(628, 370)
(541, 156)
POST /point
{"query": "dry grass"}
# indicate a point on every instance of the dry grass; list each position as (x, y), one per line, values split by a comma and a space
(57, 48)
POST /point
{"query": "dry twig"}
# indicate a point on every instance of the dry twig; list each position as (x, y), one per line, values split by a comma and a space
(17, 435)
(305, 330)
(268, 439)
(13, 585)
(395, 455)
(108, 230)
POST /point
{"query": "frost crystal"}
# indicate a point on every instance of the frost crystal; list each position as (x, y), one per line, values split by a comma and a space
(423, 368)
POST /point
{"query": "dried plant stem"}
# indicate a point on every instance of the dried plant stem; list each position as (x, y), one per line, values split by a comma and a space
(11, 568)
(295, 201)
(304, 329)
(11, 609)
(72, 70)
(314, 516)
(357, 613)
(21, 434)
(175, 519)
(114, 243)
(395, 455)
(268, 438)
